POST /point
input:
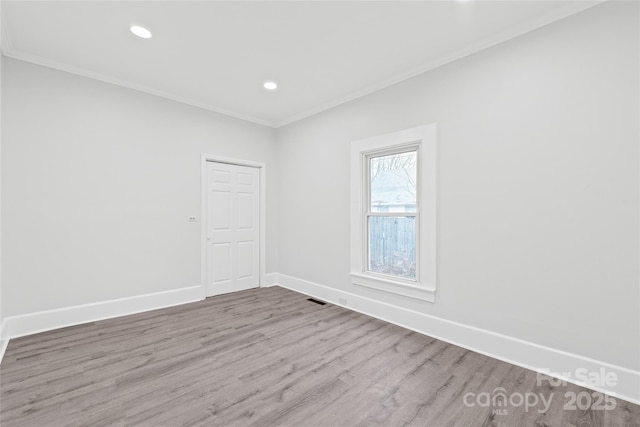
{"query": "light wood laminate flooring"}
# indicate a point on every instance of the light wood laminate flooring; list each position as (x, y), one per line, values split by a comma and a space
(269, 357)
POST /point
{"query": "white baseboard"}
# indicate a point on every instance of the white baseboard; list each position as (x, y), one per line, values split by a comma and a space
(502, 347)
(270, 279)
(27, 324)
(4, 342)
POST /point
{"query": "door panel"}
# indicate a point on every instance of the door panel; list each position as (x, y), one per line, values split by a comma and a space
(233, 228)
(221, 252)
(245, 260)
(221, 215)
(245, 179)
(245, 211)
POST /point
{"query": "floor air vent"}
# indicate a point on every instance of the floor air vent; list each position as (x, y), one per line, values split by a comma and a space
(316, 301)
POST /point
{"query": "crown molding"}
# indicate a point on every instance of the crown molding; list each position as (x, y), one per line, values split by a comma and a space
(572, 8)
(34, 59)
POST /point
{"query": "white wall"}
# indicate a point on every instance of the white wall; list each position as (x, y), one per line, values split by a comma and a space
(538, 187)
(1, 313)
(98, 182)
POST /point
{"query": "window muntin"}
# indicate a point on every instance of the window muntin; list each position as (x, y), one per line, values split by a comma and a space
(392, 216)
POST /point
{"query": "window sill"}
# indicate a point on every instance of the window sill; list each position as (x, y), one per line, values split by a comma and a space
(394, 287)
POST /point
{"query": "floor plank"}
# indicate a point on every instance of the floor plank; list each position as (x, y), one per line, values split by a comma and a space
(267, 357)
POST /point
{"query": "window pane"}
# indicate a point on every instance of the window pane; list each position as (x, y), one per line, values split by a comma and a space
(393, 182)
(392, 246)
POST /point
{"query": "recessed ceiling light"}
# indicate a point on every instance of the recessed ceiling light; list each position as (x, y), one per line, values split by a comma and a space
(270, 85)
(141, 32)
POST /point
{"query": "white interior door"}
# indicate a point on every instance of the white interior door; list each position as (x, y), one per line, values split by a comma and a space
(233, 228)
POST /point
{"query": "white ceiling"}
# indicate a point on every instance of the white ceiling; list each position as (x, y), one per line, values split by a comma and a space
(216, 55)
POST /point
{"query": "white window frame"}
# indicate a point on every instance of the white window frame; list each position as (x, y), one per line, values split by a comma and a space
(424, 139)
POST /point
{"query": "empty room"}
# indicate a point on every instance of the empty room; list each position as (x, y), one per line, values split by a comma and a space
(320, 213)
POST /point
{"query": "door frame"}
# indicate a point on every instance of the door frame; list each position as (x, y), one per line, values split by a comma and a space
(262, 167)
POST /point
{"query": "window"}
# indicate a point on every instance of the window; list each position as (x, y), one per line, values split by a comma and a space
(393, 213)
